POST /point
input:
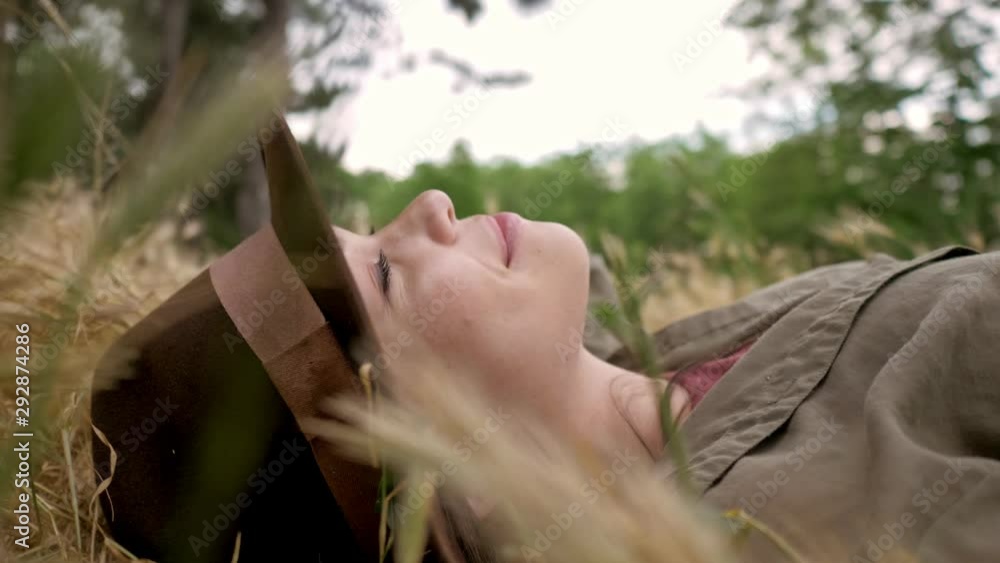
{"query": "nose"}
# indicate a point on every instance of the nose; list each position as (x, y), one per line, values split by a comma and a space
(434, 212)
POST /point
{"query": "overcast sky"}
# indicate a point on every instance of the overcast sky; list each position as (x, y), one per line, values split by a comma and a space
(600, 69)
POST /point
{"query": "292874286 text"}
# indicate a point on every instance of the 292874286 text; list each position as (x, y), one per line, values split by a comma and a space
(22, 436)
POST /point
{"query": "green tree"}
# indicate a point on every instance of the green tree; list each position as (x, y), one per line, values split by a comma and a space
(867, 65)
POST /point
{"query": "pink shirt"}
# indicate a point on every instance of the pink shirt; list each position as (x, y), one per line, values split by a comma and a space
(698, 379)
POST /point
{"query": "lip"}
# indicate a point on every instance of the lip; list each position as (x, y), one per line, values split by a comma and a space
(509, 225)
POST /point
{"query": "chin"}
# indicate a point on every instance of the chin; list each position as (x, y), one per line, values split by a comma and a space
(560, 242)
(578, 248)
(568, 257)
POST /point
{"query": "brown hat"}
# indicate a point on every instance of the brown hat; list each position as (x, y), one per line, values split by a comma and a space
(201, 401)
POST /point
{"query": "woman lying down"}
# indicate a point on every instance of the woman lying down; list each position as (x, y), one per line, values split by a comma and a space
(851, 413)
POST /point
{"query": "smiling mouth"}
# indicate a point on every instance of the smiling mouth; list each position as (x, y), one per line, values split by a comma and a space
(508, 225)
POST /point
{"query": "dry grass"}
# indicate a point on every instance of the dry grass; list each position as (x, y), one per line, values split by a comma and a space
(677, 297)
(528, 474)
(43, 243)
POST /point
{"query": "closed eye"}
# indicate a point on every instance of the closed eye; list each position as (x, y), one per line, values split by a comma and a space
(384, 273)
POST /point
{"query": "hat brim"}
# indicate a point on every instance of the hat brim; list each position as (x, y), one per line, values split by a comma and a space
(303, 228)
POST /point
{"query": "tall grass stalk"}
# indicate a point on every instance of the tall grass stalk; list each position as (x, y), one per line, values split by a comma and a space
(207, 137)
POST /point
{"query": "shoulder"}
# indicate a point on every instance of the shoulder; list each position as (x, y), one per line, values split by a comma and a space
(970, 272)
(959, 274)
(958, 290)
(718, 330)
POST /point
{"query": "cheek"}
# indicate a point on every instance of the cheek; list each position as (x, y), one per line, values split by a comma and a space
(444, 302)
(454, 320)
(464, 318)
(514, 335)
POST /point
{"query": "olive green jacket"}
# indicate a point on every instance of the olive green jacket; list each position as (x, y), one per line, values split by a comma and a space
(864, 422)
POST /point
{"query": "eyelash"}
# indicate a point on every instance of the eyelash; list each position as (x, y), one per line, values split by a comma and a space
(384, 271)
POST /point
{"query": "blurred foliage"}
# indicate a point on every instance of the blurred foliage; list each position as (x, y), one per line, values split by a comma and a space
(864, 67)
(48, 133)
(843, 171)
(841, 167)
(71, 72)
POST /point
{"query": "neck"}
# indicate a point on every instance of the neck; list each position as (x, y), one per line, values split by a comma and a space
(618, 410)
(615, 410)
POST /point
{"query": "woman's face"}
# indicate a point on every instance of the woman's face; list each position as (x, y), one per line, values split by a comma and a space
(495, 297)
